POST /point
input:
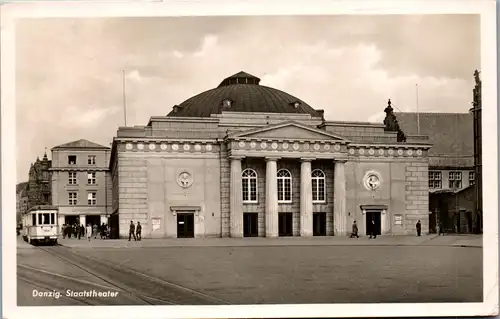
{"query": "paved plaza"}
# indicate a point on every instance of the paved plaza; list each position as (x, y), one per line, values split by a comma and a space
(327, 270)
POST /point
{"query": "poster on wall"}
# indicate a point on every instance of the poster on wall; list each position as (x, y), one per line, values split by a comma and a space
(156, 222)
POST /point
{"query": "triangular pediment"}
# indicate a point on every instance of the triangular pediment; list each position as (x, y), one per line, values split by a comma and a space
(288, 130)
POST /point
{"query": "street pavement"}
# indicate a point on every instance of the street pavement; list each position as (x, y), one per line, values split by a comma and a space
(259, 270)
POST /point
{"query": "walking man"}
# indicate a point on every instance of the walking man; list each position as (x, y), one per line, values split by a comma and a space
(138, 231)
(354, 232)
(131, 231)
(89, 231)
(373, 234)
(419, 228)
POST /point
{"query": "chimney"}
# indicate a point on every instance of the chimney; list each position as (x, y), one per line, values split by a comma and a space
(175, 108)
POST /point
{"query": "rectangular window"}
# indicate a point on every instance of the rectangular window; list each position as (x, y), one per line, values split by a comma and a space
(91, 178)
(72, 198)
(91, 160)
(455, 180)
(435, 179)
(40, 218)
(52, 219)
(398, 219)
(284, 190)
(249, 187)
(33, 219)
(71, 159)
(472, 178)
(318, 190)
(92, 198)
(46, 218)
(72, 178)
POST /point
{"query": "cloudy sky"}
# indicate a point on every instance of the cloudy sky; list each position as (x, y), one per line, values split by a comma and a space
(69, 71)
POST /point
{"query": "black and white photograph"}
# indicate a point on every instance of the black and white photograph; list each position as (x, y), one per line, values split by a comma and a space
(302, 159)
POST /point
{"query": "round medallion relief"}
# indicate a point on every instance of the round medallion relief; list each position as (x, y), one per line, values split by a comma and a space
(306, 146)
(163, 146)
(419, 152)
(327, 147)
(253, 144)
(274, 145)
(129, 146)
(175, 147)
(241, 144)
(140, 146)
(316, 147)
(152, 146)
(197, 147)
(208, 147)
(400, 152)
(296, 146)
(263, 145)
(284, 145)
(352, 151)
(185, 179)
(391, 151)
(409, 152)
(380, 152)
(361, 151)
(371, 151)
(372, 180)
(337, 147)
(186, 147)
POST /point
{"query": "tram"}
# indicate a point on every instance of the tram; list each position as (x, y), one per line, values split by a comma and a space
(39, 225)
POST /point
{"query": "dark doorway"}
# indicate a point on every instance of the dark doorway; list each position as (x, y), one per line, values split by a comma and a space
(250, 225)
(114, 230)
(375, 217)
(93, 220)
(285, 224)
(319, 224)
(71, 220)
(469, 222)
(185, 225)
(433, 223)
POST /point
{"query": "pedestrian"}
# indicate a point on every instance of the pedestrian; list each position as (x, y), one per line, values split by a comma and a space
(94, 229)
(373, 234)
(138, 231)
(79, 231)
(419, 228)
(131, 231)
(89, 231)
(63, 230)
(103, 231)
(354, 232)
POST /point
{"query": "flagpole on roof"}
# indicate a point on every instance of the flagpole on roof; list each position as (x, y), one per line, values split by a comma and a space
(418, 113)
(124, 98)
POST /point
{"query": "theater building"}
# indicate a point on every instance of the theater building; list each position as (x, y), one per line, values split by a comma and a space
(244, 160)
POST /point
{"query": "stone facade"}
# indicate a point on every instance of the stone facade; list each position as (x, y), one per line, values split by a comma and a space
(39, 184)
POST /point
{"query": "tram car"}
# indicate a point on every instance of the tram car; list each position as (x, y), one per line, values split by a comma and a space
(39, 225)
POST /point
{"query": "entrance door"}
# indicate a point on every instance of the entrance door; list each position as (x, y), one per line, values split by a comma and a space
(185, 225)
(375, 217)
(285, 224)
(250, 225)
(114, 226)
(71, 219)
(433, 223)
(94, 220)
(319, 224)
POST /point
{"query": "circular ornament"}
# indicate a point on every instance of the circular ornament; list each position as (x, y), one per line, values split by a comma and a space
(400, 152)
(306, 146)
(152, 146)
(337, 147)
(296, 146)
(263, 145)
(284, 145)
(409, 152)
(208, 147)
(419, 152)
(352, 151)
(185, 179)
(391, 151)
(129, 146)
(316, 147)
(327, 147)
(380, 152)
(186, 147)
(175, 147)
(274, 145)
(361, 151)
(140, 146)
(253, 144)
(372, 180)
(241, 144)
(197, 147)
(163, 146)
(371, 151)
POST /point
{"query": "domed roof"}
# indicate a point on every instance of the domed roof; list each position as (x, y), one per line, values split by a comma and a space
(241, 92)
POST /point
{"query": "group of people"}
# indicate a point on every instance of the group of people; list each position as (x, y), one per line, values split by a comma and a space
(135, 231)
(79, 231)
(373, 233)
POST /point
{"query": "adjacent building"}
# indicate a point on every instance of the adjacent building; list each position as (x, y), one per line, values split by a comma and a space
(39, 183)
(243, 159)
(81, 186)
(21, 200)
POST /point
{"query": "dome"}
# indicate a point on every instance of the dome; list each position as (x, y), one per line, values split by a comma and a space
(241, 92)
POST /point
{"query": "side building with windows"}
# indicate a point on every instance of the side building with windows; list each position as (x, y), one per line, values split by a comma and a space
(244, 159)
(39, 187)
(81, 187)
(451, 167)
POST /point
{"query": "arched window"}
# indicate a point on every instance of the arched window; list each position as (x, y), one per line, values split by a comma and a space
(249, 185)
(318, 186)
(284, 186)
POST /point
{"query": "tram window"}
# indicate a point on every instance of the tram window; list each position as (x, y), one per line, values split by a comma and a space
(40, 219)
(52, 218)
(33, 221)
(46, 218)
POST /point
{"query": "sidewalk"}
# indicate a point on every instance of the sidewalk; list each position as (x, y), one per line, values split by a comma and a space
(427, 240)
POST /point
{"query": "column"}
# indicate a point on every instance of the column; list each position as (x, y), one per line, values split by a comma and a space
(306, 200)
(339, 204)
(383, 222)
(236, 199)
(271, 198)
(82, 220)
